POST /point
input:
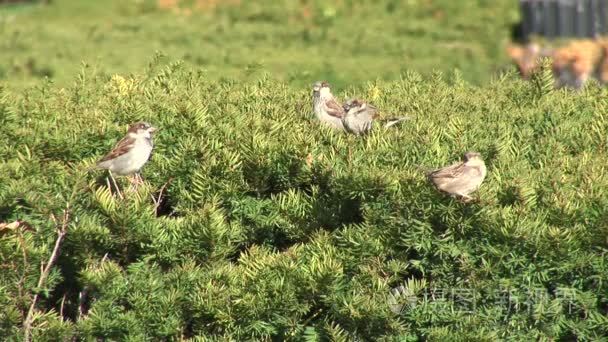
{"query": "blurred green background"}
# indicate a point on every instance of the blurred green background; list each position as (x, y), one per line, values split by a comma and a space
(299, 41)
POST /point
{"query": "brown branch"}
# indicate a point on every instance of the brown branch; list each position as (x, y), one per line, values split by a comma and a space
(62, 304)
(21, 282)
(29, 319)
(157, 201)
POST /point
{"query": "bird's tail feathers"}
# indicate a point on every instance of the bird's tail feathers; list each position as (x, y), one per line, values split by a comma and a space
(396, 120)
(91, 168)
(95, 165)
(424, 169)
(101, 164)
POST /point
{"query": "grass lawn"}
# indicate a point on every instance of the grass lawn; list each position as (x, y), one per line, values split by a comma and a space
(345, 42)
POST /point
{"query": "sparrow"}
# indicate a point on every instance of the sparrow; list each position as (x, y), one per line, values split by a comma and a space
(131, 153)
(360, 116)
(460, 179)
(326, 107)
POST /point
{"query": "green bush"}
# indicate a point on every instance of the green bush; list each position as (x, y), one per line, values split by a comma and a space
(273, 227)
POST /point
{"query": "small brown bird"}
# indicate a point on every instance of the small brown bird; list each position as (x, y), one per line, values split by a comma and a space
(326, 107)
(360, 116)
(131, 153)
(460, 179)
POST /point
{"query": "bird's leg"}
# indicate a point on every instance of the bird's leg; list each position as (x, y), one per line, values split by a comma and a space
(140, 180)
(132, 183)
(116, 185)
(109, 186)
(465, 198)
(135, 181)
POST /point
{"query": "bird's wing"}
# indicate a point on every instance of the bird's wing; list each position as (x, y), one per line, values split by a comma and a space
(448, 172)
(364, 119)
(121, 148)
(334, 109)
(368, 113)
(393, 121)
(463, 181)
(455, 171)
(373, 110)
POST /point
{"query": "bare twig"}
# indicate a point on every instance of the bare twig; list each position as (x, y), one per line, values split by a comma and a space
(27, 324)
(158, 200)
(21, 283)
(82, 299)
(62, 304)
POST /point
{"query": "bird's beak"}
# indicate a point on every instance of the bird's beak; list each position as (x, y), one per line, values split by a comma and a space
(153, 129)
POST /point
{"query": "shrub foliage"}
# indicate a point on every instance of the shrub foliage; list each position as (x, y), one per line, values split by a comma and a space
(254, 222)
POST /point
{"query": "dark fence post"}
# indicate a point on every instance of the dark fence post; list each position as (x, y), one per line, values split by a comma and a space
(564, 18)
(601, 14)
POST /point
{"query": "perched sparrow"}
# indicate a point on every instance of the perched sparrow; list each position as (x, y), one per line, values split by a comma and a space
(360, 116)
(462, 178)
(132, 152)
(325, 106)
